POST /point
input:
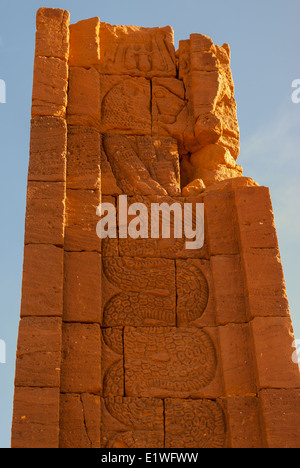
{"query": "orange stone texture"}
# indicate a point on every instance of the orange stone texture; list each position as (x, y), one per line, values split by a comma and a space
(141, 343)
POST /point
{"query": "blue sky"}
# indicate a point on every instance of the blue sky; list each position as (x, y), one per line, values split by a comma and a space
(264, 37)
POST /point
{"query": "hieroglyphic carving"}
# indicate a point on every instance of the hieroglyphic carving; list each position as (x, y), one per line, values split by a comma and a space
(138, 164)
(129, 50)
(113, 338)
(132, 423)
(192, 292)
(141, 275)
(170, 111)
(148, 296)
(112, 362)
(194, 424)
(137, 309)
(113, 380)
(164, 362)
(125, 105)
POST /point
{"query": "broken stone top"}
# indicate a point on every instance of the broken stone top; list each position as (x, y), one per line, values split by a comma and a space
(145, 87)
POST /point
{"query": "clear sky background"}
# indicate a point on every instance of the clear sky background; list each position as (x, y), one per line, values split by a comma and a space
(264, 36)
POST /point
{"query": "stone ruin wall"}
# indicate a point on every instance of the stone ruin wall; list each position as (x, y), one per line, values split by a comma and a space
(142, 343)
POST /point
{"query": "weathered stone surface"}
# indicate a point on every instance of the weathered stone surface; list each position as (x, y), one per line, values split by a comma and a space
(213, 164)
(85, 43)
(38, 352)
(81, 358)
(156, 162)
(244, 422)
(230, 301)
(79, 421)
(194, 188)
(81, 221)
(273, 338)
(48, 148)
(36, 418)
(84, 106)
(237, 359)
(169, 109)
(194, 424)
(281, 409)
(42, 287)
(82, 287)
(50, 84)
(256, 219)
(132, 423)
(52, 37)
(45, 213)
(83, 158)
(129, 50)
(221, 225)
(265, 283)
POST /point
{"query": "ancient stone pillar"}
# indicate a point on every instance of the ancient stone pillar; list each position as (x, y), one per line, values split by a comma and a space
(141, 342)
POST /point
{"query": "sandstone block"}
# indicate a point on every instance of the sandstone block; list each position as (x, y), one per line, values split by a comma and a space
(230, 302)
(83, 170)
(42, 287)
(81, 221)
(79, 421)
(256, 219)
(45, 213)
(36, 418)
(221, 223)
(281, 410)
(39, 352)
(265, 283)
(206, 88)
(84, 97)
(52, 37)
(50, 84)
(244, 422)
(48, 147)
(134, 51)
(237, 359)
(273, 338)
(82, 287)
(85, 43)
(81, 358)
